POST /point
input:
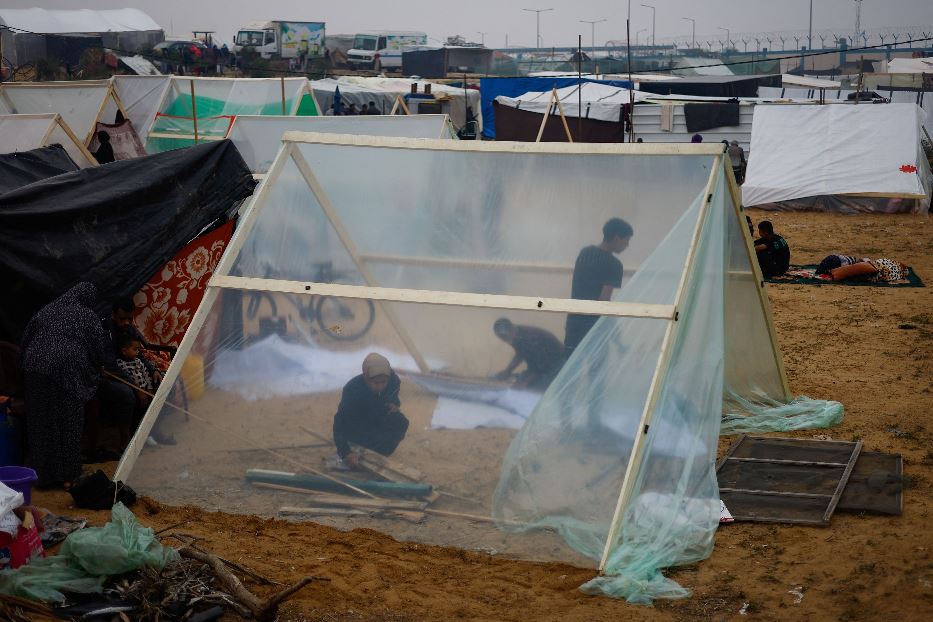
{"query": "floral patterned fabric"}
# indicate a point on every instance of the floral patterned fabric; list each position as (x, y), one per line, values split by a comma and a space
(168, 301)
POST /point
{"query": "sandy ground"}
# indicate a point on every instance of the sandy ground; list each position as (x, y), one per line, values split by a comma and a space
(840, 343)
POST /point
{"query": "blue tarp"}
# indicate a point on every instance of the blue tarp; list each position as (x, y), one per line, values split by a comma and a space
(490, 88)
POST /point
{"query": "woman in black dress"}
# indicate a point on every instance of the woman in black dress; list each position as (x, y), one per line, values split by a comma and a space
(64, 346)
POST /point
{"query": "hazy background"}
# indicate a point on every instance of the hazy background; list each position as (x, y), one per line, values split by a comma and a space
(499, 18)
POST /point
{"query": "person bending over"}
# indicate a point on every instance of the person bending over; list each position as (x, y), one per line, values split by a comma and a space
(773, 251)
(368, 414)
(540, 351)
(595, 274)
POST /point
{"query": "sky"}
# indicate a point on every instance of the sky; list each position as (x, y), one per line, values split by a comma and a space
(503, 18)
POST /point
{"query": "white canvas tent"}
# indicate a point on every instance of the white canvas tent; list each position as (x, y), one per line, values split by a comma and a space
(838, 158)
(259, 138)
(81, 104)
(911, 65)
(601, 102)
(616, 457)
(196, 109)
(384, 92)
(23, 132)
(142, 96)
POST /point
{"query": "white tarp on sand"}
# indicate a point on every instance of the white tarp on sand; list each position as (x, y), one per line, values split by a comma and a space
(806, 151)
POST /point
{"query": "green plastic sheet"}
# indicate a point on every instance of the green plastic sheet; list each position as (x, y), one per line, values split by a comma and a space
(87, 558)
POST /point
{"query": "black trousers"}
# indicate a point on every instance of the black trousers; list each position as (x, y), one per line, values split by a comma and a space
(384, 437)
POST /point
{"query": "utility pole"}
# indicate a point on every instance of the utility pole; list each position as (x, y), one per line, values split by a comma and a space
(537, 13)
(592, 23)
(693, 36)
(653, 12)
(858, 22)
(810, 31)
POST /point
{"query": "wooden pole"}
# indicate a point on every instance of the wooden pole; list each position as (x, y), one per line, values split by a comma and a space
(284, 112)
(547, 113)
(194, 111)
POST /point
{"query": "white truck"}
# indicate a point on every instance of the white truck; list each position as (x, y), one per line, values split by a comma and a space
(382, 49)
(281, 39)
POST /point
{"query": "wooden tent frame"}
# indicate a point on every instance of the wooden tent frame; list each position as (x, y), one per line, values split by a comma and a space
(552, 103)
(111, 94)
(289, 153)
(143, 132)
(174, 91)
(397, 104)
(55, 120)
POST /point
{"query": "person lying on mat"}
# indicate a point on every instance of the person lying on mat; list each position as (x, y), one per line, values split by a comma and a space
(540, 351)
(846, 267)
(773, 251)
(368, 414)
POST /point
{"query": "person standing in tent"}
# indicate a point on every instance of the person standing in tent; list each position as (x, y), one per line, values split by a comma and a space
(540, 351)
(596, 273)
(773, 251)
(368, 414)
(737, 159)
(63, 349)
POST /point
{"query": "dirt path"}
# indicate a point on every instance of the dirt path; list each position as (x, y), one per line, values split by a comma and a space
(840, 343)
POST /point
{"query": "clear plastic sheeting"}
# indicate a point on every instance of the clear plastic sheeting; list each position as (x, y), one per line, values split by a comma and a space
(23, 132)
(214, 102)
(759, 414)
(141, 96)
(81, 104)
(258, 138)
(417, 260)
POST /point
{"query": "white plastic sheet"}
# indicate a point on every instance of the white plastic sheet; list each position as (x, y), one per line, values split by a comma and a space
(806, 151)
(22, 132)
(141, 97)
(79, 103)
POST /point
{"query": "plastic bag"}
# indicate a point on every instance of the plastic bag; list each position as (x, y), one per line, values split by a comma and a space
(87, 558)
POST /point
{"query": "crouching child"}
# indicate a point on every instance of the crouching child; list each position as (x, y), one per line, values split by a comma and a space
(368, 414)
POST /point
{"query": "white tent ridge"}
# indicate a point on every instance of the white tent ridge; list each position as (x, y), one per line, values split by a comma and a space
(23, 132)
(258, 138)
(43, 21)
(799, 152)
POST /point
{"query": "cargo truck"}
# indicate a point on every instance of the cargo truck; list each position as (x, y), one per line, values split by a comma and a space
(281, 39)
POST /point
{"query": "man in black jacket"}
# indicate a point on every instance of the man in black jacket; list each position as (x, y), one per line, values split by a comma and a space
(369, 414)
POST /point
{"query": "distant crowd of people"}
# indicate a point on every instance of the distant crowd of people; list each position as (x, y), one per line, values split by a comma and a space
(350, 110)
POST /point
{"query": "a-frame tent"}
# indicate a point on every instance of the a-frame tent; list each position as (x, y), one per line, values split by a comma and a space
(613, 465)
(82, 104)
(23, 132)
(196, 109)
(258, 138)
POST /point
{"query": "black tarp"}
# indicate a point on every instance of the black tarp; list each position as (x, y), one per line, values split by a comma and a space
(25, 167)
(113, 225)
(704, 116)
(712, 86)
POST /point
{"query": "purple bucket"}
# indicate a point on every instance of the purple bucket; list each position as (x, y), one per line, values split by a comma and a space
(19, 479)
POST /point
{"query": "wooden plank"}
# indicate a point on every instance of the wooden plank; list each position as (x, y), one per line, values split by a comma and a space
(654, 389)
(312, 511)
(776, 493)
(316, 482)
(280, 447)
(326, 499)
(563, 117)
(456, 299)
(789, 462)
(81, 147)
(379, 464)
(434, 144)
(545, 117)
(842, 482)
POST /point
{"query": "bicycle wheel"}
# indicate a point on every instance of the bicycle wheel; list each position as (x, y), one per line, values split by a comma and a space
(345, 319)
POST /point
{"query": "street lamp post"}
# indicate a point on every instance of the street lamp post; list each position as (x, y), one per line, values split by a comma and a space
(537, 13)
(653, 11)
(693, 36)
(810, 31)
(637, 35)
(592, 23)
(727, 36)
(483, 37)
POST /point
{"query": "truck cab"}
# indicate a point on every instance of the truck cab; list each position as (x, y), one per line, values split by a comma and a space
(261, 36)
(382, 49)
